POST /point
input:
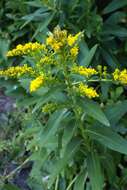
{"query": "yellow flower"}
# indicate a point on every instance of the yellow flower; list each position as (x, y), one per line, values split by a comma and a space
(49, 40)
(71, 40)
(55, 44)
(60, 39)
(26, 49)
(45, 60)
(87, 72)
(116, 74)
(89, 92)
(36, 83)
(74, 51)
(120, 76)
(17, 71)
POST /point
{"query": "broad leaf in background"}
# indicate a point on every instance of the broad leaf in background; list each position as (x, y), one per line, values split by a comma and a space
(94, 171)
(71, 150)
(80, 181)
(116, 112)
(68, 134)
(88, 57)
(114, 5)
(108, 138)
(109, 58)
(93, 110)
(46, 20)
(10, 187)
(52, 126)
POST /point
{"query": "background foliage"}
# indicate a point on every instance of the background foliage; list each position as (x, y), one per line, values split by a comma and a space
(105, 27)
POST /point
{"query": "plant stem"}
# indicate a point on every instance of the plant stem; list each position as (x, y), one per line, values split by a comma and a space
(15, 170)
(93, 80)
(69, 186)
(71, 93)
(56, 184)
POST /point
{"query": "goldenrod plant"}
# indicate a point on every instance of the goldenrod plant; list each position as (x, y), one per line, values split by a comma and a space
(72, 138)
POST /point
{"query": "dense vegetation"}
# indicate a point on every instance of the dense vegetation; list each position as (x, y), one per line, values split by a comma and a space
(63, 82)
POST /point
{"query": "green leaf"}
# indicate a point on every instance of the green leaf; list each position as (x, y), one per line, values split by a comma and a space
(39, 157)
(115, 18)
(114, 5)
(52, 126)
(116, 30)
(36, 3)
(89, 56)
(109, 58)
(4, 45)
(44, 24)
(110, 167)
(94, 171)
(93, 109)
(71, 149)
(47, 95)
(68, 134)
(28, 101)
(11, 187)
(25, 83)
(39, 14)
(116, 112)
(108, 138)
(105, 87)
(80, 181)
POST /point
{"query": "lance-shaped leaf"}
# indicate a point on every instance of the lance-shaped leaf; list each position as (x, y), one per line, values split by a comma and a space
(94, 171)
(52, 126)
(80, 181)
(93, 109)
(89, 56)
(114, 5)
(71, 149)
(108, 138)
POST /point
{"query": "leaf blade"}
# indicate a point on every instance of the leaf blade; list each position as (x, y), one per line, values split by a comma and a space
(108, 138)
(93, 109)
(94, 171)
(89, 56)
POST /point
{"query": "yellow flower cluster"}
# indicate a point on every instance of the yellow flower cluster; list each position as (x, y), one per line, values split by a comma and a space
(87, 72)
(53, 43)
(26, 49)
(36, 83)
(72, 39)
(49, 107)
(17, 71)
(89, 92)
(59, 38)
(120, 76)
(74, 51)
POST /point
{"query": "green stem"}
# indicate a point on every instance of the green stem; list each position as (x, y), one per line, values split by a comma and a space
(93, 80)
(56, 184)
(15, 170)
(73, 99)
(69, 186)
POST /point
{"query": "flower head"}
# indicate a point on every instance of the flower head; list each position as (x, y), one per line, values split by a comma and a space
(120, 76)
(89, 92)
(17, 71)
(87, 72)
(36, 83)
(74, 51)
(26, 49)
